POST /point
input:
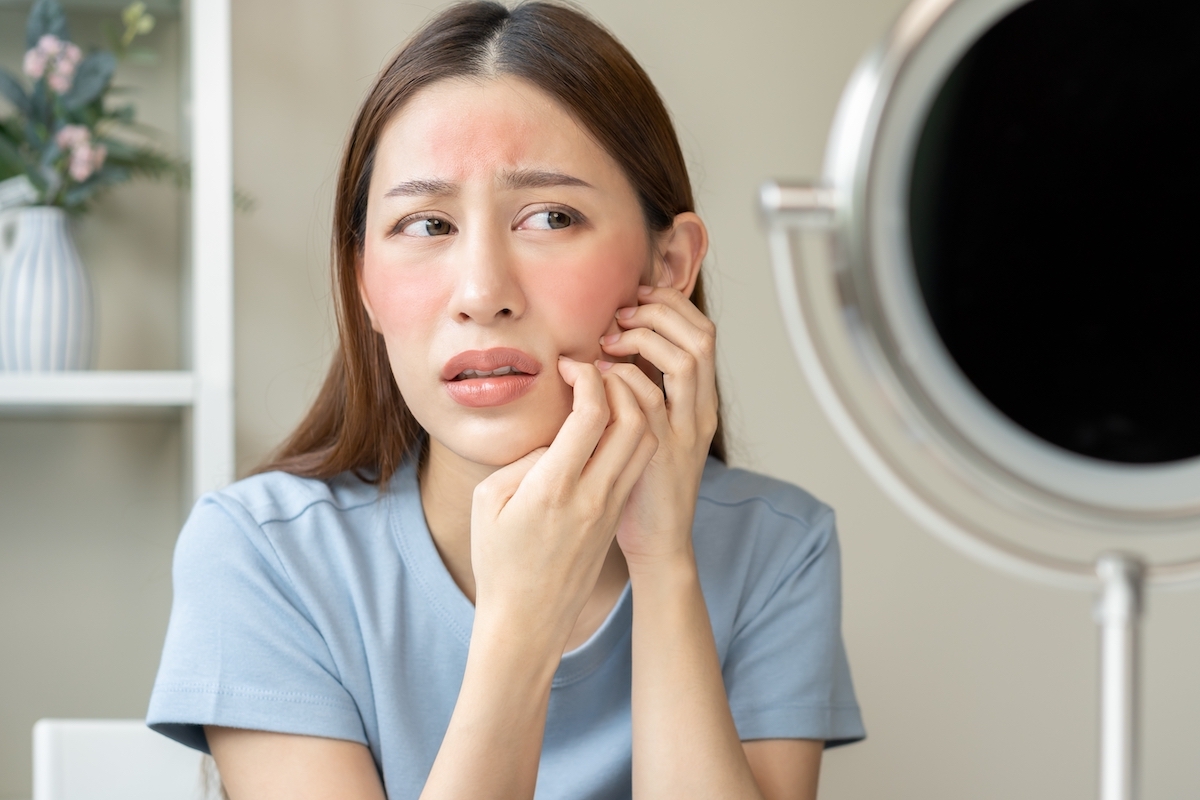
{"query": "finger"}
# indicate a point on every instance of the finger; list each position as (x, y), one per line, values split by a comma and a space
(494, 491)
(579, 434)
(649, 396)
(680, 322)
(676, 300)
(675, 327)
(681, 370)
(636, 465)
(620, 439)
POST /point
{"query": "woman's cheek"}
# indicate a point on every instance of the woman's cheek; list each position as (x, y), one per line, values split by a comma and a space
(585, 303)
(404, 301)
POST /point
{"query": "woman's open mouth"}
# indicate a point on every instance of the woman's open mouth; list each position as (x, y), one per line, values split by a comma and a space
(484, 378)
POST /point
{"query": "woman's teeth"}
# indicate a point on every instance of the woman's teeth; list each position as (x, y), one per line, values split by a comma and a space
(477, 373)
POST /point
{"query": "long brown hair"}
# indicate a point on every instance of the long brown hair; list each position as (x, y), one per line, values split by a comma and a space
(359, 421)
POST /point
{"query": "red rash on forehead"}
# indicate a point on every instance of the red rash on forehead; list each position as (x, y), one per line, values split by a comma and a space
(459, 141)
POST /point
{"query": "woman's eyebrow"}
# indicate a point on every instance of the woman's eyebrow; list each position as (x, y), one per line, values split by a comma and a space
(539, 178)
(518, 179)
(423, 187)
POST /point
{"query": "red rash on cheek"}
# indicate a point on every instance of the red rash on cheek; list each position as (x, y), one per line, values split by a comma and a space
(404, 305)
(584, 299)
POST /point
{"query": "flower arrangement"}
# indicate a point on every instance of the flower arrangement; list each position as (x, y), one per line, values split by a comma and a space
(65, 143)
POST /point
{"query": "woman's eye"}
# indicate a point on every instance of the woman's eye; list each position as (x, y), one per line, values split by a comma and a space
(549, 220)
(429, 226)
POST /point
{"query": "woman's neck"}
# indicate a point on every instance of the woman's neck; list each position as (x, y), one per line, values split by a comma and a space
(447, 483)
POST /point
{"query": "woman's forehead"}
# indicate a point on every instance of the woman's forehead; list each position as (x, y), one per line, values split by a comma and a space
(470, 130)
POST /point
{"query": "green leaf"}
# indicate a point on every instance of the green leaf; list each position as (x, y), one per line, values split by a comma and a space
(33, 136)
(38, 180)
(51, 154)
(118, 148)
(104, 178)
(39, 103)
(113, 36)
(12, 90)
(91, 78)
(46, 16)
(122, 114)
(108, 175)
(11, 161)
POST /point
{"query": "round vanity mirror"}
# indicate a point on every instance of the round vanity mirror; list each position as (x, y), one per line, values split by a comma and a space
(1004, 320)
(993, 293)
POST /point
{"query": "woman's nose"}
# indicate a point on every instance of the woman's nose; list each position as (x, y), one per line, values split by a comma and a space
(487, 289)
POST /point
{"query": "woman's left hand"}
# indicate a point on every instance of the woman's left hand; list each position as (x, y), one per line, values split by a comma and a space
(669, 333)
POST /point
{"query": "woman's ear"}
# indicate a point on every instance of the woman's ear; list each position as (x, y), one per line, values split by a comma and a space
(362, 294)
(681, 251)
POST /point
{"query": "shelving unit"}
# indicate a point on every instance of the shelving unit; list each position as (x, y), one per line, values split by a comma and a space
(203, 390)
(98, 468)
(79, 392)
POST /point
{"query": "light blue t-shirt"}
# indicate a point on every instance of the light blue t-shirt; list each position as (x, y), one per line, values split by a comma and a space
(323, 608)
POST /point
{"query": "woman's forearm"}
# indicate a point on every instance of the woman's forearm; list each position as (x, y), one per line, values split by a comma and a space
(685, 743)
(494, 740)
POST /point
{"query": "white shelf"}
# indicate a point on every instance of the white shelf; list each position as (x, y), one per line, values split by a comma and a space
(157, 389)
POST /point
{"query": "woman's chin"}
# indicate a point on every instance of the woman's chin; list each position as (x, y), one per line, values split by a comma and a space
(498, 449)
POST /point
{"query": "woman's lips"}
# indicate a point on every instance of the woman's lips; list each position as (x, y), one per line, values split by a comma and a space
(489, 390)
(494, 391)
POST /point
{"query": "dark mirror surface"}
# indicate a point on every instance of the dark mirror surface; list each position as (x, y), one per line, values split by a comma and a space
(1055, 223)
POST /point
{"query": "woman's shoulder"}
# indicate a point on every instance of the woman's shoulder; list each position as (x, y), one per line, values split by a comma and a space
(751, 526)
(279, 527)
(279, 515)
(275, 496)
(748, 496)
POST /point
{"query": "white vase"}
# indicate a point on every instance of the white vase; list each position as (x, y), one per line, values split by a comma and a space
(46, 317)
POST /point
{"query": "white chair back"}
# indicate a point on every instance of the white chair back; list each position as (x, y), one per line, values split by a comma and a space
(114, 759)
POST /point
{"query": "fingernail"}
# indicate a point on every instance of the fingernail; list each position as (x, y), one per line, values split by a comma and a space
(603, 366)
(625, 313)
(645, 290)
(610, 338)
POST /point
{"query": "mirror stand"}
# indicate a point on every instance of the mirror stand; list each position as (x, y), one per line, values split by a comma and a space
(1118, 613)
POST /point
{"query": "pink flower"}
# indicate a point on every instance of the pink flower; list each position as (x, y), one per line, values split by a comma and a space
(50, 44)
(59, 82)
(71, 136)
(71, 55)
(59, 56)
(35, 63)
(85, 157)
(81, 163)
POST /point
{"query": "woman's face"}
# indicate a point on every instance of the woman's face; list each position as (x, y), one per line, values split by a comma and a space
(499, 236)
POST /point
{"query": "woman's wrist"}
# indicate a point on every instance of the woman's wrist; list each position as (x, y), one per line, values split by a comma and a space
(668, 570)
(503, 637)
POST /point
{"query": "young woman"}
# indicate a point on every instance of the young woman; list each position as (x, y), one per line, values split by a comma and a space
(502, 555)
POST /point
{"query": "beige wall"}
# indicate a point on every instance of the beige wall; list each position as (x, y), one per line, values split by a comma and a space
(973, 685)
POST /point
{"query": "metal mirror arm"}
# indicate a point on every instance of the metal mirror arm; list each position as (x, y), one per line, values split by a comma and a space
(813, 208)
(1118, 613)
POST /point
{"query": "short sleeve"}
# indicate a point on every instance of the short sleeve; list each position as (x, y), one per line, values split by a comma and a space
(241, 650)
(786, 670)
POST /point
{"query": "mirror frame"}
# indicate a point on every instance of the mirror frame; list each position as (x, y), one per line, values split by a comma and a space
(863, 206)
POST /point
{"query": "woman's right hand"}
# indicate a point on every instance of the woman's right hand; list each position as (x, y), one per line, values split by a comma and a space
(542, 526)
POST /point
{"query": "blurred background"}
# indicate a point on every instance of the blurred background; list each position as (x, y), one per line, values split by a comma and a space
(972, 684)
